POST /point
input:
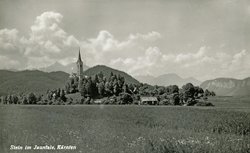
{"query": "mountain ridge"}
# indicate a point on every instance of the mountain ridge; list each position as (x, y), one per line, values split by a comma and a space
(167, 79)
(69, 68)
(228, 86)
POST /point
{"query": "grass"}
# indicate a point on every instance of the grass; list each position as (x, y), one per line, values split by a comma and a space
(127, 129)
(231, 103)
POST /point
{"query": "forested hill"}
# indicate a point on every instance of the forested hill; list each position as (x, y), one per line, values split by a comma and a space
(30, 81)
(39, 82)
(106, 72)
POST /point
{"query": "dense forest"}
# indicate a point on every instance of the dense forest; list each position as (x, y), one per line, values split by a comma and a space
(112, 89)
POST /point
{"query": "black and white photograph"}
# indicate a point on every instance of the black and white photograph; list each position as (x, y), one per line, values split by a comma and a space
(124, 76)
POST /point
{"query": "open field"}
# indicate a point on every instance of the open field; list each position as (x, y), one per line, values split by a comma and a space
(231, 103)
(112, 129)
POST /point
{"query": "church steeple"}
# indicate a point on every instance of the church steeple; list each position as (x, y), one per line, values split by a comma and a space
(79, 56)
(79, 64)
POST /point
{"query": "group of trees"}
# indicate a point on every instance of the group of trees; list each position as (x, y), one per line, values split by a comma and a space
(99, 86)
(30, 98)
(112, 90)
(56, 96)
(173, 95)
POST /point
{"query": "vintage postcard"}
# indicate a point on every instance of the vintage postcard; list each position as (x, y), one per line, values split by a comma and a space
(124, 76)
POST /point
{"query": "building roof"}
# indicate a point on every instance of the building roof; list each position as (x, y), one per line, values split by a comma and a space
(149, 99)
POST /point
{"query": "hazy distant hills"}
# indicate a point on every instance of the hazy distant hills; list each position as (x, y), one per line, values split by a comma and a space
(106, 72)
(30, 81)
(59, 67)
(167, 79)
(228, 86)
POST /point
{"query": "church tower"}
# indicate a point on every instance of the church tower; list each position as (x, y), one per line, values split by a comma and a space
(79, 64)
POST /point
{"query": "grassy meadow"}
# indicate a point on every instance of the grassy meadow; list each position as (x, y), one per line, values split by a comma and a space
(224, 128)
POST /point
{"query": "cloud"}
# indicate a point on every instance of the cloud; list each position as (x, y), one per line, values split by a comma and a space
(198, 64)
(8, 39)
(137, 54)
(47, 38)
(47, 22)
(47, 42)
(104, 42)
(153, 60)
(182, 57)
(50, 47)
(145, 64)
(11, 50)
(105, 46)
(151, 36)
(237, 58)
(239, 63)
(7, 63)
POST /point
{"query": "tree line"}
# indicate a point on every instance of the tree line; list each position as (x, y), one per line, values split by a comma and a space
(112, 90)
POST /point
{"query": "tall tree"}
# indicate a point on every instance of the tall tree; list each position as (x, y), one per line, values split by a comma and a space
(188, 91)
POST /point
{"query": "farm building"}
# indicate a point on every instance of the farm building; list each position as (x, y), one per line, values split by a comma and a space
(148, 101)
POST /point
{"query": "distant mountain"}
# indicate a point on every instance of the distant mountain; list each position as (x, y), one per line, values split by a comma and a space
(149, 79)
(228, 86)
(167, 79)
(30, 81)
(59, 67)
(106, 72)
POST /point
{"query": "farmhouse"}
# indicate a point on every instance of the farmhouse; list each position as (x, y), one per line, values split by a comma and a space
(148, 101)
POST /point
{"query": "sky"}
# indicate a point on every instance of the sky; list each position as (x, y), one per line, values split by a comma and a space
(204, 39)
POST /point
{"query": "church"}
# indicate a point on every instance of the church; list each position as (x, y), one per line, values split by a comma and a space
(79, 65)
(79, 70)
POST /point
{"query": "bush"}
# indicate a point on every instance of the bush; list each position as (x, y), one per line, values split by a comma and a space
(126, 98)
(174, 99)
(105, 101)
(135, 102)
(112, 100)
(87, 100)
(203, 104)
(165, 102)
(190, 102)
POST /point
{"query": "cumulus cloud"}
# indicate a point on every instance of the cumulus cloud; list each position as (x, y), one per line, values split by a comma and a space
(47, 38)
(8, 39)
(237, 58)
(11, 51)
(191, 56)
(137, 54)
(199, 64)
(47, 42)
(146, 64)
(106, 47)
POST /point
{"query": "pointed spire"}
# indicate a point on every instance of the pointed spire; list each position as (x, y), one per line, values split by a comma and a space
(79, 56)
